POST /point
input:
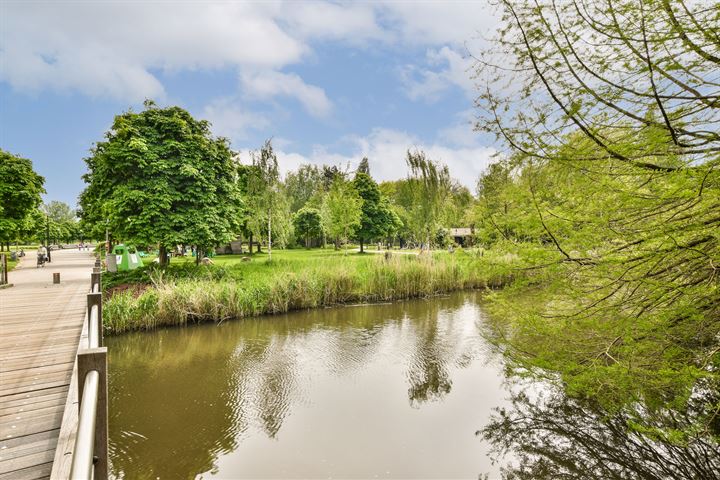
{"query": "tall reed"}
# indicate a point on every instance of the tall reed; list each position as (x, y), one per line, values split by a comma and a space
(286, 287)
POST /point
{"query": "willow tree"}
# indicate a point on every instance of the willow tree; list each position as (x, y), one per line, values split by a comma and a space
(430, 185)
(624, 94)
(341, 211)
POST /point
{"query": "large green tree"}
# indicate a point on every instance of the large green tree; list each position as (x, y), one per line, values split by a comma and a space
(60, 223)
(161, 178)
(375, 219)
(341, 211)
(308, 224)
(613, 118)
(20, 190)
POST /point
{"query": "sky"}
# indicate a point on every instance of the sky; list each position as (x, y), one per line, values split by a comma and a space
(330, 82)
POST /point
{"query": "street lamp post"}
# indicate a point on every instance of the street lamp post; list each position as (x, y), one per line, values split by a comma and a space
(47, 236)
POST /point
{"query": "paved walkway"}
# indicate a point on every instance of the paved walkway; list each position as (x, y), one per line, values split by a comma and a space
(40, 326)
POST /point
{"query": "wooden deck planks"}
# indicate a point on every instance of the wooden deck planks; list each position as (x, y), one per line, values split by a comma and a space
(40, 328)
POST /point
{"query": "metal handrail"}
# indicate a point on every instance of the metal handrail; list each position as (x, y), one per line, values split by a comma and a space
(84, 459)
(93, 326)
(82, 465)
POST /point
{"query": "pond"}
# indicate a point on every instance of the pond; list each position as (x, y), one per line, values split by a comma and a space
(375, 391)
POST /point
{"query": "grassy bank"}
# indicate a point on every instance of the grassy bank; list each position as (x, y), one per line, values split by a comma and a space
(293, 280)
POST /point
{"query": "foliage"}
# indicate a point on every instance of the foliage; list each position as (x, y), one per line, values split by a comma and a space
(266, 200)
(300, 185)
(377, 219)
(429, 184)
(308, 224)
(160, 178)
(364, 166)
(20, 190)
(341, 211)
(615, 170)
(62, 226)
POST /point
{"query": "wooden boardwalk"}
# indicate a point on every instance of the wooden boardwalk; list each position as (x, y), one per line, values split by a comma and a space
(40, 327)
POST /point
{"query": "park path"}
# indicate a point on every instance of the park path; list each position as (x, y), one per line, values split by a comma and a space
(40, 327)
(382, 252)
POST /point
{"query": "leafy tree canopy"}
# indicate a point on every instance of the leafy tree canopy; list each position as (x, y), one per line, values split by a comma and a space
(612, 120)
(308, 224)
(376, 218)
(20, 190)
(300, 185)
(160, 177)
(341, 211)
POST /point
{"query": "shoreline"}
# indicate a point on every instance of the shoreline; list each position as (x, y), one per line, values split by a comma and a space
(280, 288)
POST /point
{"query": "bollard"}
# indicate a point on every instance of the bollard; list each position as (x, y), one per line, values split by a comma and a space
(56, 277)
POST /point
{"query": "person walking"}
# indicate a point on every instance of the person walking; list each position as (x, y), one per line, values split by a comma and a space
(42, 256)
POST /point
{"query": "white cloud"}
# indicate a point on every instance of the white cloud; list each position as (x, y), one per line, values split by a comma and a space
(429, 83)
(112, 48)
(266, 84)
(354, 23)
(229, 119)
(462, 133)
(440, 22)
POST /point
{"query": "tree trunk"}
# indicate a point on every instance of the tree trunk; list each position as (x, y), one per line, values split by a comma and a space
(269, 236)
(250, 245)
(162, 254)
(361, 245)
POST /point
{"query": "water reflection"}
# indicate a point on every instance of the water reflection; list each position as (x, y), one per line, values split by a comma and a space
(311, 394)
(550, 436)
(165, 395)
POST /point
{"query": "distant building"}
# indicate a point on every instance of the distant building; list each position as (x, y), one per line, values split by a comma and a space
(463, 236)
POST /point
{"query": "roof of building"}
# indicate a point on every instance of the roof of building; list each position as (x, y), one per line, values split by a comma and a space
(461, 232)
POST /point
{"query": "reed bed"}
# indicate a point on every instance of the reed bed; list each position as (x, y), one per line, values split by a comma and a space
(236, 291)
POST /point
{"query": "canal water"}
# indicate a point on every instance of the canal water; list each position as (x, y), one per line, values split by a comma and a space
(376, 391)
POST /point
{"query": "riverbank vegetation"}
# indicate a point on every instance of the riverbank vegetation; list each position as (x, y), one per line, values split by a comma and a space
(294, 279)
(611, 129)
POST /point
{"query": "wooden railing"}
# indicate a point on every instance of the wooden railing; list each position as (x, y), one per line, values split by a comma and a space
(83, 444)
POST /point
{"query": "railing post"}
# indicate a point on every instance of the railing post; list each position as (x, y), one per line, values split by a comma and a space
(95, 299)
(87, 361)
(95, 279)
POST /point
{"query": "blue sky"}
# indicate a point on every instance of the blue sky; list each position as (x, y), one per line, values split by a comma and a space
(330, 82)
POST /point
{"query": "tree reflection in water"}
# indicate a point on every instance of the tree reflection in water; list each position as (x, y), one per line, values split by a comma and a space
(427, 373)
(554, 437)
(183, 401)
